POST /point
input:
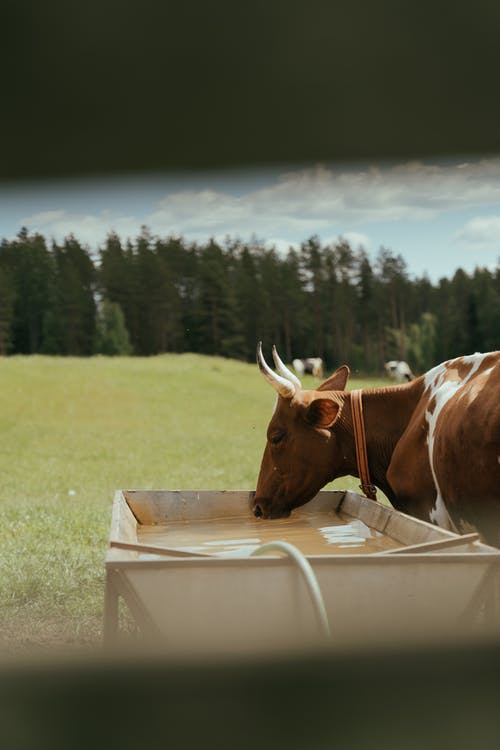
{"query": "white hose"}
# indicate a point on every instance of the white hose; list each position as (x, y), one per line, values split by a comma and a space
(309, 577)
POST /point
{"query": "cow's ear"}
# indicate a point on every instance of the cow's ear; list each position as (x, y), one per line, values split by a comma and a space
(337, 381)
(322, 412)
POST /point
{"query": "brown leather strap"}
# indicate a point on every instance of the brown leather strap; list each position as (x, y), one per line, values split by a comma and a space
(360, 440)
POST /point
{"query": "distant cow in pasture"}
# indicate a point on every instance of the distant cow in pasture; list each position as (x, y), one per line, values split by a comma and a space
(399, 371)
(310, 366)
(432, 444)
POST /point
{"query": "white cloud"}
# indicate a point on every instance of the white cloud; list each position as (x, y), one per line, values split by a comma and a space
(315, 200)
(480, 231)
(406, 191)
(89, 229)
(319, 200)
(45, 217)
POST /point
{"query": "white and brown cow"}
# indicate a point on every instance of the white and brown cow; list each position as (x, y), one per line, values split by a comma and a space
(399, 371)
(310, 366)
(433, 444)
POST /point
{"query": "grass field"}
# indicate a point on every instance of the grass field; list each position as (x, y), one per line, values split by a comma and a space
(72, 431)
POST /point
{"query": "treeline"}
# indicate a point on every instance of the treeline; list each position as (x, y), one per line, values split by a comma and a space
(154, 295)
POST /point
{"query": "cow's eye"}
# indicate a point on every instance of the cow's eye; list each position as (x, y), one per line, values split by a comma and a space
(276, 438)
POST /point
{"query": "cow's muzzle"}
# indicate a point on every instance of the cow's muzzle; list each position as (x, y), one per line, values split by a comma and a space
(263, 509)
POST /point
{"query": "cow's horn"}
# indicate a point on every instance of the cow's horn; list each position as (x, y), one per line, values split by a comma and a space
(283, 370)
(284, 387)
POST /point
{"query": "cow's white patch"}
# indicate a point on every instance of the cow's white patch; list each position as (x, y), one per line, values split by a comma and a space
(440, 516)
(441, 391)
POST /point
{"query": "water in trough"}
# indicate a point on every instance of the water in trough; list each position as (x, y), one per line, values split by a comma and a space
(314, 533)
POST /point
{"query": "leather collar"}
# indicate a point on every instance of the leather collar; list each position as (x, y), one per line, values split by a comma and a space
(358, 422)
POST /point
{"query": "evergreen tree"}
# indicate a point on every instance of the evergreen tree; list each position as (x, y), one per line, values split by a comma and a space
(28, 265)
(487, 305)
(165, 301)
(7, 298)
(268, 265)
(293, 306)
(393, 294)
(74, 303)
(461, 317)
(245, 283)
(219, 327)
(344, 315)
(369, 352)
(313, 274)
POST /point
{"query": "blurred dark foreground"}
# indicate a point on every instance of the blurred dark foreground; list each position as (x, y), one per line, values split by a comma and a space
(433, 698)
(93, 88)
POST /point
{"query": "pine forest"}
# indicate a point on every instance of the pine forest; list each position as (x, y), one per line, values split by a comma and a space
(151, 295)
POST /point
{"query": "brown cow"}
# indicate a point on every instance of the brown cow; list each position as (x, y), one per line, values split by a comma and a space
(433, 444)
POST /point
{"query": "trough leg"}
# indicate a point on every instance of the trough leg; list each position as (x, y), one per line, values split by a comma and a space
(110, 623)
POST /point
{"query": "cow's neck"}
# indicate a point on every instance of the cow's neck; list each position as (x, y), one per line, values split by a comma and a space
(387, 412)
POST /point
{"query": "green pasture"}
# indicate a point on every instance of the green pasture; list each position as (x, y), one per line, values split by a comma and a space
(74, 430)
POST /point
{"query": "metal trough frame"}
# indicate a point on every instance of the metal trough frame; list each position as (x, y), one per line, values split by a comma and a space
(437, 584)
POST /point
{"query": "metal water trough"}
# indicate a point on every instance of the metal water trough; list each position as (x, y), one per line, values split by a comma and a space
(431, 586)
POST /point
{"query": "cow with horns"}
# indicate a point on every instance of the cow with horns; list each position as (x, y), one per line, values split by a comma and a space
(431, 445)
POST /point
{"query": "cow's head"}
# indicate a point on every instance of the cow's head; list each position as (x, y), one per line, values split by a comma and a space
(303, 450)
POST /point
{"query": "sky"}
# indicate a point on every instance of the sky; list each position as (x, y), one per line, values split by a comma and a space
(438, 215)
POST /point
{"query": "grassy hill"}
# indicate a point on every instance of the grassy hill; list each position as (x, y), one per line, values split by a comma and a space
(72, 431)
